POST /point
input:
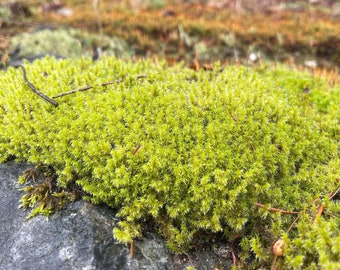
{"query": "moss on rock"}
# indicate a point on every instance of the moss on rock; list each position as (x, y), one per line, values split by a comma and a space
(192, 151)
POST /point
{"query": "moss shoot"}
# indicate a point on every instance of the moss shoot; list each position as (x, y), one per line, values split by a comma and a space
(195, 152)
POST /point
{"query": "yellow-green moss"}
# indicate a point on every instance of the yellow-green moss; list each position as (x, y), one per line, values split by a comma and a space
(193, 151)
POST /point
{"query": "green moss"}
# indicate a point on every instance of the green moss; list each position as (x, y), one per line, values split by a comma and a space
(193, 151)
(42, 193)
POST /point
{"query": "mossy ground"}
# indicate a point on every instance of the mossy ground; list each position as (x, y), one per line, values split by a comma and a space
(195, 152)
(201, 33)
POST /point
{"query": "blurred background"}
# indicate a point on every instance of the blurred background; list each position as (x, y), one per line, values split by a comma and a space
(303, 33)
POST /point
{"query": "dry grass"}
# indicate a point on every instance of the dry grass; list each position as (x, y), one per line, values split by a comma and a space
(280, 34)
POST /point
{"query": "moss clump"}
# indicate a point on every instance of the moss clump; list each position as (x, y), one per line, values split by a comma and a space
(57, 42)
(69, 43)
(193, 151)
(320, 241)
(42, 193)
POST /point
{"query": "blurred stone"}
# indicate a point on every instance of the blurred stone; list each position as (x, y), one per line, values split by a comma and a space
(253, 57)
(311, 63)
(66, 12)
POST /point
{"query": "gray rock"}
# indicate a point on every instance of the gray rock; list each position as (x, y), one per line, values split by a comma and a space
(78, 237)
(9, 202)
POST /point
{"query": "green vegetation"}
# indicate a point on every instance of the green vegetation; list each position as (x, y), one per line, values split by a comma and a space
(61, 43)
(193, 152)
(64, 43)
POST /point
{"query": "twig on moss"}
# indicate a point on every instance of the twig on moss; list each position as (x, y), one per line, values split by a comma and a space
(319, 213)
(334, 193)
(322, 206)
(34, 89)
(233, 116)
(136, 149)
(293, 223)
(320, 210)
(271, 209)
(85, 88)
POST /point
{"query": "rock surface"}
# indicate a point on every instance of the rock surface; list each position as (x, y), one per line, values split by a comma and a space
(79, 237)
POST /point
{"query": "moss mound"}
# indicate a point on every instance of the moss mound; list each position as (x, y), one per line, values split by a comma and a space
(60, 43)
(64, 43)
(195, 152)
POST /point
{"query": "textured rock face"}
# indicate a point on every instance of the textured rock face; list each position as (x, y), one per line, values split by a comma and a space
(79, 237)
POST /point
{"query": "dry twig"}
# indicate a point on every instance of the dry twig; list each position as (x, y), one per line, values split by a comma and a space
(34, 89)
(271, 209)
(85, 88)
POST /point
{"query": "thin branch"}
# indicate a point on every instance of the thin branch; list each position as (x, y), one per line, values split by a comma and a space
(136, 149)
(335, 192)
(85, 88)
(318, 214)
(292, 225)
(322, 206)
(271, 209)
(34, 89)
(233, 116)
